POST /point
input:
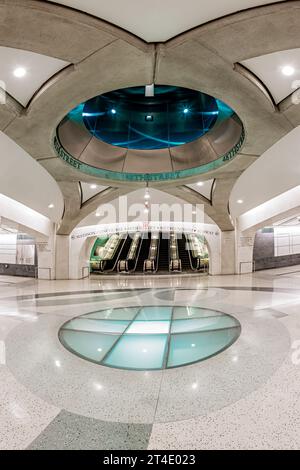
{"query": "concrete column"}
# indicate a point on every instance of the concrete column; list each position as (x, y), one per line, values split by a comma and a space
(228, 261)
(80, 251)
(62, 256)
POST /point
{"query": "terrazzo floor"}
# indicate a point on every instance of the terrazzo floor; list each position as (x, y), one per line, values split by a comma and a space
(246, 397)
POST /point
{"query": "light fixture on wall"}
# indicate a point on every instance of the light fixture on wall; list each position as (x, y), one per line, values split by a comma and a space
(240, 201)
(51, 206)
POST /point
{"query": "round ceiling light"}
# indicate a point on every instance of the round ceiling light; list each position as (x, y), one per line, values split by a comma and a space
(20, 72)
(288, 70)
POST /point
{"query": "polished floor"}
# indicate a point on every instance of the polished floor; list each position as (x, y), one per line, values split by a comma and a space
(245, 397)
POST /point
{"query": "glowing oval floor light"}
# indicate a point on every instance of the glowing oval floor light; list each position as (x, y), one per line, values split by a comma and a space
(151, 337)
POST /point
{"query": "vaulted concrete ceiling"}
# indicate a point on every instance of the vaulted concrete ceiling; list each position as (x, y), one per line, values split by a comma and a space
(274, 173)
(160, 20)
(104, 57)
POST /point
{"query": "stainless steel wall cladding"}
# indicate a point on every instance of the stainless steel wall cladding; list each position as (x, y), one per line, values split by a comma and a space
(90, 151)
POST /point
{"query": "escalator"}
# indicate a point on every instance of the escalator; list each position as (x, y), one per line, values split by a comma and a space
(150, 264)
(128, 264)
(175, 261)
(115, 248)
(197, 262)
(163, 257)
(183, 250)
(144, 250)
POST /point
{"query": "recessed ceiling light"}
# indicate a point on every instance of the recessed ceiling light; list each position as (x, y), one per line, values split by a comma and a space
(186, 110)
(240, 201)
(98, 386)
(20, 72)
(51, 206)
(93, 186)
(97, 214)
(146, 210)
(147, 196)
(113, 111)
(200, 183)
(288, 70)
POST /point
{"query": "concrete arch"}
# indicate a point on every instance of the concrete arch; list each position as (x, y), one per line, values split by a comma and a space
(80, 250)
(201, 59)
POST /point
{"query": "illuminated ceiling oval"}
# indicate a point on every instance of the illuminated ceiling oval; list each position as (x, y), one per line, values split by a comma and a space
(142, 134)
(128, 118)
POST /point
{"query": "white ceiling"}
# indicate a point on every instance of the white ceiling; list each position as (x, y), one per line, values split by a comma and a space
(159, 20)
(88, 191)
(24, 180)
(274, 173)
(39, 69)
(268, 68)
(133, 198)
(204, 189)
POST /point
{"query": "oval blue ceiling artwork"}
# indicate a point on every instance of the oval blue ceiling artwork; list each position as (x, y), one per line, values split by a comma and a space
(173, 116)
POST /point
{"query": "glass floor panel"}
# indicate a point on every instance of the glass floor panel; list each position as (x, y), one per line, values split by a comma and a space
(155, 313)
(148, 327)
(103, 326)
(202, 324)
(193, 312)
(151, 337)
(114, 314)
(92, 346)
(138, 352)
(193, 347)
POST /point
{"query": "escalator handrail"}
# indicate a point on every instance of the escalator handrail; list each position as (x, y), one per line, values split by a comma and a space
(120, 250)
(157, 255)
(191, 262)
(142, 238)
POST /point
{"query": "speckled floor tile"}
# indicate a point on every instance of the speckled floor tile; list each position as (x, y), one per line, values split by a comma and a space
(269, 418)
(245, 397)
(23, 416)
(74, 384)
(71, 431)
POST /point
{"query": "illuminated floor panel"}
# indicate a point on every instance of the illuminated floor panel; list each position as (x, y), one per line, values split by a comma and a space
(138, 352)
(151, 337)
